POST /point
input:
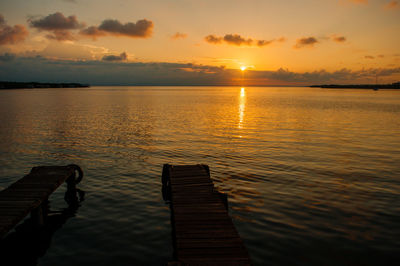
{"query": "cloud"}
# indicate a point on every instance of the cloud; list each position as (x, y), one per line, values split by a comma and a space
(6, 57)
(70, 1)
(305, 42)
(141, 29)
(369, 57)
(213, 39)
(61, 35)
(112, 58)
(93, 32)
(338, 39)
(264, 42)
(391, 5)
(281, 39)
(56, 21)
(58, 25)
(238, 40)
(11, 34)
(268, 42)
(178, 35)
(381, 56)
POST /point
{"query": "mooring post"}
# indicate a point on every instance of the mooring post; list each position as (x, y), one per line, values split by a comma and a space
(166, 190)
(165, 175)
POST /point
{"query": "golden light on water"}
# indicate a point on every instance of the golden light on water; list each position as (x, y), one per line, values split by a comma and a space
(242, 106)
(242, 92)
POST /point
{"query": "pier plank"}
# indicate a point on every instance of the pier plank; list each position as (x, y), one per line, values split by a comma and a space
(203, 232)
(28, 193)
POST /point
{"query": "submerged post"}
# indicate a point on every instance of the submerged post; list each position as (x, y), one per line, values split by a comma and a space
(38, 215)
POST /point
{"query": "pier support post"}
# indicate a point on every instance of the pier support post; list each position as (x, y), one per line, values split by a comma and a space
(39, 214)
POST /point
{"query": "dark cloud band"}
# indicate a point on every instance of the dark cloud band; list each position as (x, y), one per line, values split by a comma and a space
(139, 73)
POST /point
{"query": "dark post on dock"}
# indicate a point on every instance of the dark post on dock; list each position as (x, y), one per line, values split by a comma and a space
(202, 230)
(30, 194)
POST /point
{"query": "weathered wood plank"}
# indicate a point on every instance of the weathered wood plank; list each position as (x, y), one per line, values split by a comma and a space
(203, 231)
(26, 194)
(209, 234)
(227, 252)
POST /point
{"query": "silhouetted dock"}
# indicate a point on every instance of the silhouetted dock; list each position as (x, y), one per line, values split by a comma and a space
(203, 232)
(30, 194)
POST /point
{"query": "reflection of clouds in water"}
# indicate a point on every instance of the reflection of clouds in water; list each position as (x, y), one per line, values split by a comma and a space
(242, 105)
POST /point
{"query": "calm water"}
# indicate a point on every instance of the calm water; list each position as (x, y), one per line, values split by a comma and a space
(312, 175)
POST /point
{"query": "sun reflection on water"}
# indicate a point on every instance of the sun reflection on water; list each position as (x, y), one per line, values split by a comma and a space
(242, 105)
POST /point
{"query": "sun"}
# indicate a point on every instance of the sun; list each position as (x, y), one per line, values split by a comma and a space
(243, 68)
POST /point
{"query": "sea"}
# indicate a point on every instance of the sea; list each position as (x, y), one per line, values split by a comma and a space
(312, 175)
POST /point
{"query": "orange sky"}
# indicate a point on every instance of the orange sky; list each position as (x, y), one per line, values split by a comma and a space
(347, 40)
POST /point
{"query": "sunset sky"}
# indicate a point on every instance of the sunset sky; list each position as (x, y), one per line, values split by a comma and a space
(187, 42)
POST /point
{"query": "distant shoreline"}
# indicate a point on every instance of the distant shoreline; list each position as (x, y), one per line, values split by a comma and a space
(34, 85)
(359, 86)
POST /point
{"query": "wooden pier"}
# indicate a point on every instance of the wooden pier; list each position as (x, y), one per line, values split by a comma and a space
(30, 194)
(203, 232)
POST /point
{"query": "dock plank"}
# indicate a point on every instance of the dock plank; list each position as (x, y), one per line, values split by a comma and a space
(28, 193)
(203, 232)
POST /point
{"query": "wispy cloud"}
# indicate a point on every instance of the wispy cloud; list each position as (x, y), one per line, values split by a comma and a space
(338, 39)
(369, 57)
(11, 34)
(113, 58)
(305, 42)
(281, 39)
(178, 36)
(141, 29)
(238, 40)
(58, 25)
(392, 5)
(263, 42)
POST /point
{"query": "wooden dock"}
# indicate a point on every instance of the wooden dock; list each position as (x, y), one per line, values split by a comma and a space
(30, 193)
(203, 232)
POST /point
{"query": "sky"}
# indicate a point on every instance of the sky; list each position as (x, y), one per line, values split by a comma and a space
(187, 42)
